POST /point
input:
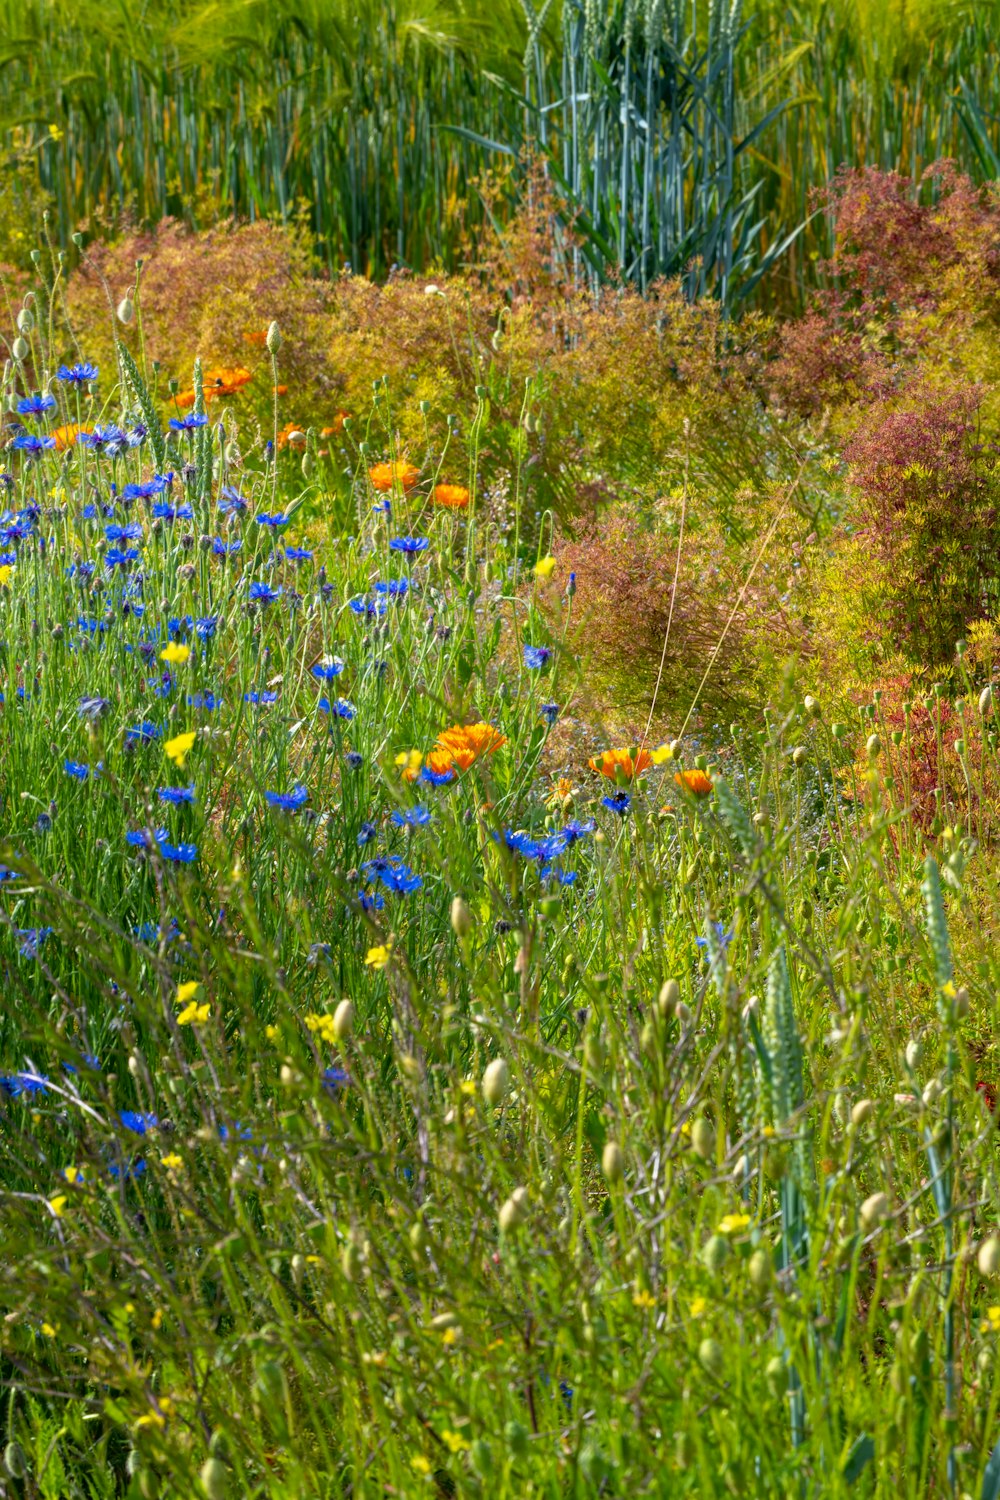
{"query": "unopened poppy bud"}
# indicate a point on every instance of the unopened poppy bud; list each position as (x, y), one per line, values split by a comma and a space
(811, 706)
(126, 310)
(988, 1256)
(961, 1003)
(873, 1211)
(134, 1064)
(514, 1210)
(703, 1138)
(800, 755)
(914, 1052)
(670, 993)
(711, 1356)
(776, 1375)
(960, 747)
(759, 1269)
(873, 747)
(273, 339)
(14, 1460)
(862, 1111)
(682, 1012)
(19, 349)
(25, 320)
(461, 918)
(213, 1476)
(716, 1252)
(350, 1260)
(496, 1082)
(343, 1020)
(613, 1161)
(986, 699)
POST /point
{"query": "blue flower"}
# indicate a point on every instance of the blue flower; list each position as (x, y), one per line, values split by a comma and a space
(176, 794)
(536, 656)
(334, 1079)
(619, 802)
(288, 801)
(177, 854)
(76, 769)
(141, 734)
(232, 501)
(109, 439)
(130, 533)
(549, 712)
(395, 588)
(138, 1123)
(164, 511)
(354, 759)
(205, 626)
(131, 1170)
(373, 608)
(31, 938)
(93, 709)
(116, 558)
(14, 1084)
(327, 669)
(225, 549)
(32, 445)
(340, 708)
(723, 937)
(189, 423)
(574, 829)
(209, 701)
(275, 522)
(77, 374)
(371, 901)
(149, 489)
(262, 593)
(366, 833)
(393, 874)
(297, 554)
(410, 544)
(411, 817)
(138, 838)
(438, 778)
(263, 698)
(34, 406)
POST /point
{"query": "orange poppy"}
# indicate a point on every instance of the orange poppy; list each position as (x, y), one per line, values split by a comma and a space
(695, 782)
(451, 496)
(465, 743)
(384, 476)
(338, 425)
(291, 436)
(627, 763)
(259, 337)
(66, 436)
(280, 390)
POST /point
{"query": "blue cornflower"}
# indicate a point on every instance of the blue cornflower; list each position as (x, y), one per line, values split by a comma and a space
(549, 712)
(138, 1123)
(6, 480)
(354, 759)
(618, 802)
(76, 769)
(164, 511)
(334, 1079)
(275, 522)
(373, 608)
(297, 554)
(205, 626)
(34, 406)
(393, 874)
(138, 838)
(115, 557)
(536, 656)
(150, 488)
(723, 937)
(131, 1170)
(178, 854)
(574, 829)
(31, 938)
(210, 701)
(340, 708)
(92, 708)
(77, 374)
(438, 778)
(410, 544)
(371, 901)
(288, 801)
(263, 593)
(411, 817)
(142, 733)
(263, 698)
(14, 1084)
(327, 669)
(231, 500)
(109, 439)
(395, 588)
(190, 423)
(176, 794)
(180, 624)
(558, 874)
(130, 533)
(31, 444)
(221, 548)
(366, 833)
(238, 1133)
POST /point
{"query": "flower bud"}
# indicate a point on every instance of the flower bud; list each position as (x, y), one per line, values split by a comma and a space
(126, 310)
(961, 1003)
(14, 1460)
(19, 349)
(273, 340)
(461, 918)
(776, 1375)
(716, 1252)
(988, 1256)
(811, 706)
(986, 700)
(800, 755)
(873, 1211)
(613, 1161)
(213, 1476)
(343, 1020)
(711, 1356)
(703, 1138)
(670, 993)
(862, 1111)
(496, 1082)
(914, 1052)
(25, 320)
(873, 747)
(514, 1211)
(760, 1268)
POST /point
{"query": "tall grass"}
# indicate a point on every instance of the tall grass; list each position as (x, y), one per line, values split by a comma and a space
(677, 131)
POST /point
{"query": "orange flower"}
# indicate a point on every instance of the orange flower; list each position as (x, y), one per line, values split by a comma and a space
(291, 435)
(612, 762)
(695, 782)
(338, 425)
(465, 743)
(221, 382)
(451, 496)
(280, 390)
(66, 436)
(259, 337)
(384, 476)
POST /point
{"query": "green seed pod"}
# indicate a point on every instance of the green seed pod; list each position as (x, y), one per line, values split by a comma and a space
(988, 1256)
(776, 1375)
(712, 1358)
(862, 1112)
(461, 918)
(613, 1162)
(716, 1252)
(14, 1460)
(760, 1269)
(800, 755)
(214, 1478)
(496, 1082)
(517, 1438)
(703, 1138)
(25, 320)
(959, 747)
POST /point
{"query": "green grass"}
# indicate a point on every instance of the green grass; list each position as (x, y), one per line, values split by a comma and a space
(705, 1231)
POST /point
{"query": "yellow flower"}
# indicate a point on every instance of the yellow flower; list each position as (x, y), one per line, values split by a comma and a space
(174, 654)
(450, 1336)
(187, 991)
(698, 1306)
(71, 1173)
(172, 1161)
(421, 1464)
(456, 1442)
(48, 1330)
(409, 762)
(660, 754)
(733, 1223)
(57, 1205)
(55, 133)
(377, 958)
(644, 1299)
(193, 1014)
(545, 567)
(179, 748)
(468, 1086)
(271, 1032)
(323, 1025)
(151, 1419)
(157, 1318)
(5, 573)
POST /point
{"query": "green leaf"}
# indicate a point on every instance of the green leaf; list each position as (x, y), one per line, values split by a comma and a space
(861, 1454)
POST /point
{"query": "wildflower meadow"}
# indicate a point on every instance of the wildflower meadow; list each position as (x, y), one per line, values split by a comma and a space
(500, 786)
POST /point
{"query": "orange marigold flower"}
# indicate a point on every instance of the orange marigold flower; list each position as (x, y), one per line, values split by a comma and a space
(611, 763)
(66, 436)
(694, 781)
(291, 435)
(184, 399)
(220, 382)
(384, 476)
(465, 743)
(451, 496)
(337, 426)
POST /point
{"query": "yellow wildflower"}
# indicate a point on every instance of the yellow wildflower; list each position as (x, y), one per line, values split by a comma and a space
(644, 1299)
(421, 1464)
(48, 1330)
(172, 1161)
(5, 573)
(179, 748)
(409, 762)
(698, 1306)
(660, 754)
(455, 1441)
(71, 1173)
(55, 133)
(193, 1014)
(544, 567)
(377, 958)
(157, 1318)
(57, 1205)
(271, 1032)
(733, 1223)
(187, 991)
(175, 654)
